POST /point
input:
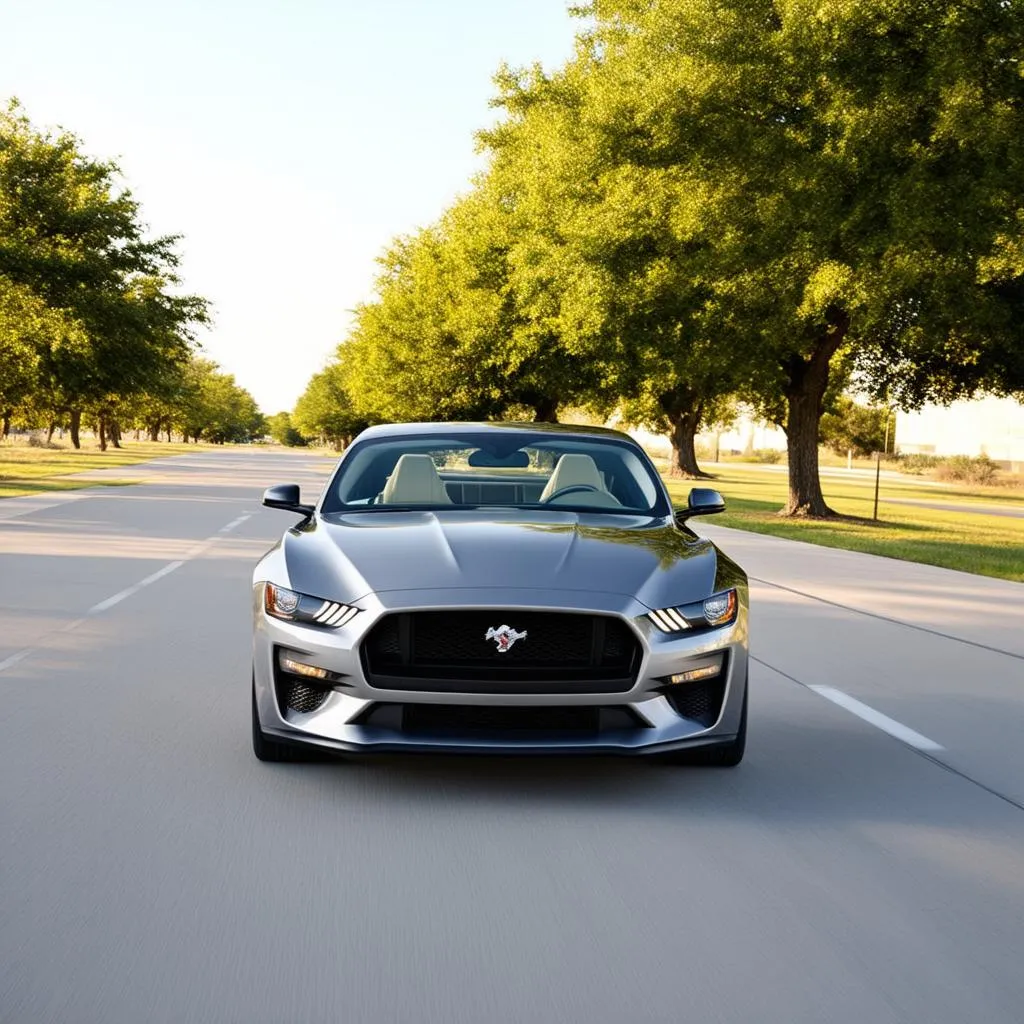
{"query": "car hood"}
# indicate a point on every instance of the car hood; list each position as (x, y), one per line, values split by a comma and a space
(346, 556)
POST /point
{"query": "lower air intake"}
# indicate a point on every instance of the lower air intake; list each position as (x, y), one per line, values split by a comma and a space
(303, 698)
(700, 702)
(488, 721)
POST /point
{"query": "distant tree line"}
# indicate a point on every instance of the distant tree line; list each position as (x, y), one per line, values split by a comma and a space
(93, 329)
(770, 201)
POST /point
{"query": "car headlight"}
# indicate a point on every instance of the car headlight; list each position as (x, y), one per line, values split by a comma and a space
(717, 610)
(286, 604)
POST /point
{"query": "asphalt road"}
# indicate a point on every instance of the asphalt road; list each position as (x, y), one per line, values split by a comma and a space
(152, 871)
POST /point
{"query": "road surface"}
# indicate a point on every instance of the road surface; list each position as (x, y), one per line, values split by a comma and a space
(864, 864)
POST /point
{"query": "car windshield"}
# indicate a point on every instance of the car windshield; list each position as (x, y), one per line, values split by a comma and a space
(498, 467)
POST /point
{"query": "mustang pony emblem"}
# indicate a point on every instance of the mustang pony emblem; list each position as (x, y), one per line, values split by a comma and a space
(504, 637)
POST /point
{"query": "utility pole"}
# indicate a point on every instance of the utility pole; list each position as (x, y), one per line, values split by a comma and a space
(878, 474)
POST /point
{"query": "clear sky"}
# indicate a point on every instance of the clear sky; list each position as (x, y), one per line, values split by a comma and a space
(287, 141)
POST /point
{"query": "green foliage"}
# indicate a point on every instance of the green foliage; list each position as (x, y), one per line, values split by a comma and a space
(760, 198)
(280, 428)
(25, 321)
(853, 427)
(324, 410)
(802, 182)
(92, 322)
(211, 407)
(450, 335)
(916, 464)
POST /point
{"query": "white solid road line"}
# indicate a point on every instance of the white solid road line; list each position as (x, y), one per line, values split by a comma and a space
(122, 595)
(876, 718)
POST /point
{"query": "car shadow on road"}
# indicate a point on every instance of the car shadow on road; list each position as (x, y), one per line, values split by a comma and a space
(808, 764)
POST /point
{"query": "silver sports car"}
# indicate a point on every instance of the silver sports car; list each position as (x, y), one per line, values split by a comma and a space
(498, 588)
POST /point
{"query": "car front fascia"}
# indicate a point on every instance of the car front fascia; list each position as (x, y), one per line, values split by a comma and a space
(338, 650)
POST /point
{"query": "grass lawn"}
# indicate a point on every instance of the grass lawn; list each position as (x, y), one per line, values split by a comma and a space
(971, 542)
(25, 470)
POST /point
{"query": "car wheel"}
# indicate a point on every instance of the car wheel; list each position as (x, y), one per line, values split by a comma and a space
(267, 749)
(717, 755)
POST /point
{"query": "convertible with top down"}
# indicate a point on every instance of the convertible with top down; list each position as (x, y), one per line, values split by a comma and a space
(498, 588)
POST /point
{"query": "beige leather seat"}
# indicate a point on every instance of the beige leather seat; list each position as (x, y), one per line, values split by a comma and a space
(572, 470)
(414, 481)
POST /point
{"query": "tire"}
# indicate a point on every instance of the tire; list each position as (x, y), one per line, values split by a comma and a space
(270, 750)
(718, 755)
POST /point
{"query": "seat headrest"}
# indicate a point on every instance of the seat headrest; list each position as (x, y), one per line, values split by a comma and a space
(572, 470)
(414, 481)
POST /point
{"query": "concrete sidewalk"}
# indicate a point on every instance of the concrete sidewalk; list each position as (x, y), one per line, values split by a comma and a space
(976, 609)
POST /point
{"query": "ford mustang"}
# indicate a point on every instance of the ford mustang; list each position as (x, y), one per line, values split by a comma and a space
(498, 588)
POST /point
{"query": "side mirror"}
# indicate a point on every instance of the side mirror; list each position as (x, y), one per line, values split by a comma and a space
(286, 496)
(703, 501)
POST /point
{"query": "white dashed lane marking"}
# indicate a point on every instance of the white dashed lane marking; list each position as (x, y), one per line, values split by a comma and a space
(134, 588)
(122, 595)
(895, 729)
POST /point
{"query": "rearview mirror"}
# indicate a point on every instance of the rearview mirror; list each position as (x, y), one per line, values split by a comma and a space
(286, 496)
(488, 460)
(703, 501)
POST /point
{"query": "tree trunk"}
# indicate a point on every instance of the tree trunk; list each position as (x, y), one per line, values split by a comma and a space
(154, 430)
(805, 393)
(545, 410)
(102, 431)
(168, 435)
(6, 423)
(50, 428)
(76, 428)
(683, 410)
(684, 447)
(138, 433)
(115, 433)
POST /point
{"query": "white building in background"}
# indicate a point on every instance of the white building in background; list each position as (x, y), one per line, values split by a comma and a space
(745, 436)
(983, 426)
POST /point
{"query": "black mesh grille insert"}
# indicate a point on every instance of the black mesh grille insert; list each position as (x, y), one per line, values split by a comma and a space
(448, 651)
(301, 697)
(701, 702)
(469, 720)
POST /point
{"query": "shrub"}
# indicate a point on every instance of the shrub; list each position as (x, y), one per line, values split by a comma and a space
(918, 464)
(768, 456)
(964, 469)
(38, 441)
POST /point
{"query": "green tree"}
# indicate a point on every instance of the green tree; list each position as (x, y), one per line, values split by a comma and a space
(212, 407)
(846, 180)
(450, 335)
(24, 320)
(851, 427)
(72, 236)
(280, 428)
(325, 411)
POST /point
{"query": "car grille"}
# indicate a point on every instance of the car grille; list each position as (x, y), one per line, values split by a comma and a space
(448, 652)
(700, 702)
(488, 721)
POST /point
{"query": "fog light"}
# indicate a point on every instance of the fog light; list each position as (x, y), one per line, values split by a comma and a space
(693, 674)
(288, 663)
(706, 670)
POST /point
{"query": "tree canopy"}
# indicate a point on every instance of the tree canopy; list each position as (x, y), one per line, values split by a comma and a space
(92, 318)
(759, 198)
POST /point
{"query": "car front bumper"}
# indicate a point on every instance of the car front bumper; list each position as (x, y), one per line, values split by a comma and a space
(347, 720)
